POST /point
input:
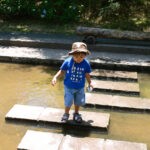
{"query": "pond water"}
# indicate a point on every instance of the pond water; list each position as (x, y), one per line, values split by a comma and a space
(30, 85)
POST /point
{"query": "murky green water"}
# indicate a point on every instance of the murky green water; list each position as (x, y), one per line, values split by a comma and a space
(30, 85)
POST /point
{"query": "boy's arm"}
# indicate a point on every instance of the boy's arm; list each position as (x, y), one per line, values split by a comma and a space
(57, 75)
(88, 78)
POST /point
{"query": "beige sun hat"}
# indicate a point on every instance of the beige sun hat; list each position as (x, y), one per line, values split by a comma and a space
(79, 47)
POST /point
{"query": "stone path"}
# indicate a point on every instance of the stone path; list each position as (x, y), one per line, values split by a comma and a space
(115, 101)
(51, 50)
(53, 115)
(114, 75)
(116, 87)
(53, 141)
(120, 102)
(118, 82)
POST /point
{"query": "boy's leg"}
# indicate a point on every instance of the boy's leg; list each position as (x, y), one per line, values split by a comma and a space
(68, 100)
(76, 116)
(67, 109)
(65, 116)
(76, 108)
(79, 101)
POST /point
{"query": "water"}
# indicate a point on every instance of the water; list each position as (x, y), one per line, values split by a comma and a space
(30, 85)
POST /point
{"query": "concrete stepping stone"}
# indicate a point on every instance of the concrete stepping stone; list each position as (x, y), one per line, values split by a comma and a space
(111, 74)
(124, 145)
(24, 112)
(120, 102)
(53, 115)
(86, 143)
(119, 87)
(37, 140)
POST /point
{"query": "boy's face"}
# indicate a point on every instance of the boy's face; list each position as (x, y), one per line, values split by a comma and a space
(78, 57)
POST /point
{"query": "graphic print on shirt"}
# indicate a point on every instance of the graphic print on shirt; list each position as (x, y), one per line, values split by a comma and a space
(77, 74)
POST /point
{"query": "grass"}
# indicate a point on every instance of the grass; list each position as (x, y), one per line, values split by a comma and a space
(37, 26)
(40, 26)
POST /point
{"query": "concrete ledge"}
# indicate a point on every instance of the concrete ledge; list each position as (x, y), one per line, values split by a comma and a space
(36, 44)
(120, 65)
(94, 63)
(59, 41)
(43, 140)
(117, 48)
(114, 75)
(56, 56)
(53, 116)
(119, 87)
(117, 102)
(36, 140)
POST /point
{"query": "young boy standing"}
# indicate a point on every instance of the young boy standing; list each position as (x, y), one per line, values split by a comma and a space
(76, 69)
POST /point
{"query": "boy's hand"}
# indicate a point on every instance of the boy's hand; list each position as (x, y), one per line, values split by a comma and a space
(54, 80)
(90, 87)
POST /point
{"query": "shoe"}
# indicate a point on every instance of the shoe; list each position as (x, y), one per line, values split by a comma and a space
(65, 117)
(77, 118)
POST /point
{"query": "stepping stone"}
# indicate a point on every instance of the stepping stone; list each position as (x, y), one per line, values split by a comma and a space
(124, 145)
(90, 119)
(114, 101)
(43, 140)
(111, 74)
(36, 140)
(119, 87)
(53, 115)
(86, 143)
(24, 112)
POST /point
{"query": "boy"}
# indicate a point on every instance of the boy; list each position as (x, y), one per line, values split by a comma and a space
(76, 69)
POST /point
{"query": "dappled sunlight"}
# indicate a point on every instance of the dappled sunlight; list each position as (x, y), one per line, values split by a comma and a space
(38, 53)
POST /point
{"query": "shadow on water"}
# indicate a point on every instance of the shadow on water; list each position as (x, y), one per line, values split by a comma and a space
(81, 130)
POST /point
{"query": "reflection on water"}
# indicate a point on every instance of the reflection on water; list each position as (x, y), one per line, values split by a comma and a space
(30, 85)
(144, 80)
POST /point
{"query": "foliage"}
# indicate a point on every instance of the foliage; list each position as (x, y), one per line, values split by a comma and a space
(121, 14)
(60, 11)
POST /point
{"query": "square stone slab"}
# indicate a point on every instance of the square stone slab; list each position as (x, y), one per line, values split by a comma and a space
(84, 143)
(120, 86)
(36, 140)
(121, 102)
(91, 120)
(24, 112)
(124, 145)
(124, 75)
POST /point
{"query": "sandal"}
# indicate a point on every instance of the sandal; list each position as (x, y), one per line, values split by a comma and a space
(77, 118)
(65, 117)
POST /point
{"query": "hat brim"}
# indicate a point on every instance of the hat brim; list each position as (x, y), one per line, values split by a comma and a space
(79, 51)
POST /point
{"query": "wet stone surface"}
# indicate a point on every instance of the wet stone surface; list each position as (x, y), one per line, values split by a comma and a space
(46, 141)
(114, 101)
(116, 87)
(112, 74)
(53, 115)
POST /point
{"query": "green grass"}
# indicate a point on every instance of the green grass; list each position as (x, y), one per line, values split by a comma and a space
(40, 26)
(37, 26)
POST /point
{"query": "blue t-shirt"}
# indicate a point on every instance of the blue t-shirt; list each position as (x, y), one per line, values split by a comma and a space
(75, 73)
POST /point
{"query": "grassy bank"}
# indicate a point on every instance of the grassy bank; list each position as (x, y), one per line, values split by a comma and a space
(37, 26)
(40, 26)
